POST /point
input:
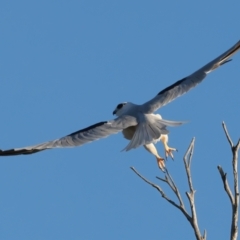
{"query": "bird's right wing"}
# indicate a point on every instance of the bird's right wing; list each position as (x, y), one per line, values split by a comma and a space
(86, 135)
(184, 85)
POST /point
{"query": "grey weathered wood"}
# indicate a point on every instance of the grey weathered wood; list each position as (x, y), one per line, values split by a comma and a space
(234, 197)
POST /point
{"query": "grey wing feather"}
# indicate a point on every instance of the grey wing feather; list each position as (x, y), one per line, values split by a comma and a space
(86, 135)
(184, 85)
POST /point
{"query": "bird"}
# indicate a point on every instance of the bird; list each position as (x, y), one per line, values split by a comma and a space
(138, 122)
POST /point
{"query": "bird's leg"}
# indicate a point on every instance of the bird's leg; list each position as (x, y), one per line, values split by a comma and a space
(168, 150)
(160, 161)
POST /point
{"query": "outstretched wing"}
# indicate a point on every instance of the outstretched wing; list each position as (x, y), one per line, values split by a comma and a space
(86, 135)
(184, 85)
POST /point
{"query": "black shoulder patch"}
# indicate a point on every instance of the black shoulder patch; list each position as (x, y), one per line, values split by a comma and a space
(120, 105)
(88, 128)
(172, 86)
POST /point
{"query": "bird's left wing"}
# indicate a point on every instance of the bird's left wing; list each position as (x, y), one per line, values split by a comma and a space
(86, 135)
(184, 85)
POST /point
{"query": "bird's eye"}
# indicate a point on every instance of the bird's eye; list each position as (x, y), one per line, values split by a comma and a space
(119, 106)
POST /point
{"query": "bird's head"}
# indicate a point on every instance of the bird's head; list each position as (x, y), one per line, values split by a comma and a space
(122, 108)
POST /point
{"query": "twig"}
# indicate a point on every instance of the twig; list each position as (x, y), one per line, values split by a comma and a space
(227, 135)
(233, 198)
(187, 162)
(168, 179)
(225, 184)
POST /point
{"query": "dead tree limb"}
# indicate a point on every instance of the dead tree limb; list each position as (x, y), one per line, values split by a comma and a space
(181, 208)
(191, 194)
(234, 198)
(192, 218)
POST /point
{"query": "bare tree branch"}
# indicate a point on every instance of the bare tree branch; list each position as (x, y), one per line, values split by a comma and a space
(168, 179)
(170, 182)
(227, 135)
(160, 191)
(225, 184)
(233, 198)
(205, 234)
(235, 208)
(187, 162)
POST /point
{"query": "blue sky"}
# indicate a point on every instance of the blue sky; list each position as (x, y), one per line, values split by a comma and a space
(65, 65)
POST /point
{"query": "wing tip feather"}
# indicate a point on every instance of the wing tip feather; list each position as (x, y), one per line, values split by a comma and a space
(13, 152)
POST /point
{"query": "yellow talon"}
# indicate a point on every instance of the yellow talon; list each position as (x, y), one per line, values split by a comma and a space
(161, 164)
(168, 151)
